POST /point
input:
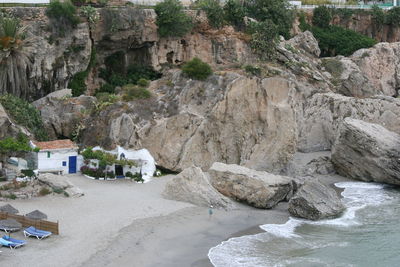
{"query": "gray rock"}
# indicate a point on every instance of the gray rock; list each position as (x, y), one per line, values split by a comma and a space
(74, 192)
(315, 201)
(63, 117)
(193, 186)
(307, 42)
(57, 182)
(256, 188)
(324, 113)
(367, 152)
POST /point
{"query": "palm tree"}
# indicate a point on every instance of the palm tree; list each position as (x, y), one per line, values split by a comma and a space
(15, 61)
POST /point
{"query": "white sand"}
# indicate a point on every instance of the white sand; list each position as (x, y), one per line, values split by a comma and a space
(88, 223)
(121, 223)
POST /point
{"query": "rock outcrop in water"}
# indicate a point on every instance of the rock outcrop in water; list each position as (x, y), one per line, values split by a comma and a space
(367, 152)
(256, 188)
(315, 201)
(192, 185)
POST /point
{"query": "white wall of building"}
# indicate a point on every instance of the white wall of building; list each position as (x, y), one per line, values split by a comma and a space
(55, 162)
(147, 168)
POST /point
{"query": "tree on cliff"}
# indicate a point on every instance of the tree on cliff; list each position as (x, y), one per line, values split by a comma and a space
(171, 20)
(15, 62)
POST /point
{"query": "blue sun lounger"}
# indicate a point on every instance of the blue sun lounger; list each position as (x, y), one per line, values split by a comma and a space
(9, 244)
(17, 241)
(39, 234)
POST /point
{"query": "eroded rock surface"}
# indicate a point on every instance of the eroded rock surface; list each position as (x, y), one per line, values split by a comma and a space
(367, 152)
(315, 201)
(256, 188)
(192, 185)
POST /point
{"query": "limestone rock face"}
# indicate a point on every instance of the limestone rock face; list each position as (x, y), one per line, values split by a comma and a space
(229, 118)
(7, 127)
(134, 32)
(256, 188)
(324, 113)
(369, 72)
(315, 201)
(54, 59)
(307, 42)
(193, 186)
(62, 117)
(367, 152)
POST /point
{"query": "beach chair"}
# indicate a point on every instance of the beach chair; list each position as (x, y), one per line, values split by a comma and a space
(9, 244)
(39, 234)
(16, 241)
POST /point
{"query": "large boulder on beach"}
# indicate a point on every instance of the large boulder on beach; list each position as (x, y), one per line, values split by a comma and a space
(256, 188)
(315, 201)
(56, 182)
(192, 185)
(368, 152)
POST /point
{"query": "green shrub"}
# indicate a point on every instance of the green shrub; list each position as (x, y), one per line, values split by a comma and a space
(393, 16)
(66, 194)
(64, 12)
(277, 12)
(234, 12)
(25, 115)
(115, 73)
(78, 82)
(263, 38)
(106, 88)
(335, 40)
(253, 70)
(11, 196)
(132, 92)
(214, 12)
(171, 20)
(44, 191)
(197, 69)
(103, 97)
(333, 66)
(378, 16)
(58, 190)
(143, 82)
(321, 17)
(28, 173)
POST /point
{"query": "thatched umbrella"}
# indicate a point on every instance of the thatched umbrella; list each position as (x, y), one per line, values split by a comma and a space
(8, 209)
(10, 225)
(36, 215)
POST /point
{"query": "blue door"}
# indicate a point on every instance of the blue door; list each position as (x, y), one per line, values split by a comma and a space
(72, 164)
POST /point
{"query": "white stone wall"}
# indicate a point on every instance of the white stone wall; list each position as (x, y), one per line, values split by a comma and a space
(56, 159)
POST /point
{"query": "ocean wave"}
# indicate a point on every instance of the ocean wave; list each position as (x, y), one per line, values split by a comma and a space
(245, 251)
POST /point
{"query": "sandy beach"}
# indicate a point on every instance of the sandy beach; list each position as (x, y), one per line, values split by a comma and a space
(121, 223)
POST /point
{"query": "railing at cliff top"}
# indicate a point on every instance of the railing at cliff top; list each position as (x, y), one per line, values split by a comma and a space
(345, 6)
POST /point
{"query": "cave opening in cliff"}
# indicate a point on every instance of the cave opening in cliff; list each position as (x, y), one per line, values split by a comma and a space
(166, 170)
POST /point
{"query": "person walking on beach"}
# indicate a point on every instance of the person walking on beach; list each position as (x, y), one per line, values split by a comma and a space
(210, 211)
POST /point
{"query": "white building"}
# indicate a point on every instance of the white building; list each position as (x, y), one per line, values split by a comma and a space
(146, 163)
(57, 156)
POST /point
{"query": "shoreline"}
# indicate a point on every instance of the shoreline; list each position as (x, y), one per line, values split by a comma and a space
(120, 223)
(182, 238)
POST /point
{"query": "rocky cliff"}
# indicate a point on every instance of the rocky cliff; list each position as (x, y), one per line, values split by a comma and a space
(56, 53)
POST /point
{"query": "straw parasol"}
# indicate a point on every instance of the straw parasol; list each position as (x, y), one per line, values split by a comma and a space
(36, 215)
(10, 225)
(8, 209)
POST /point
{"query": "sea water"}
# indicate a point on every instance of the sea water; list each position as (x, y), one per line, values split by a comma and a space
(367, 234)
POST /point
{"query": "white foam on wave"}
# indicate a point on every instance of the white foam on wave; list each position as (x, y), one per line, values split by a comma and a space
(283, 230)
(356, 196)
